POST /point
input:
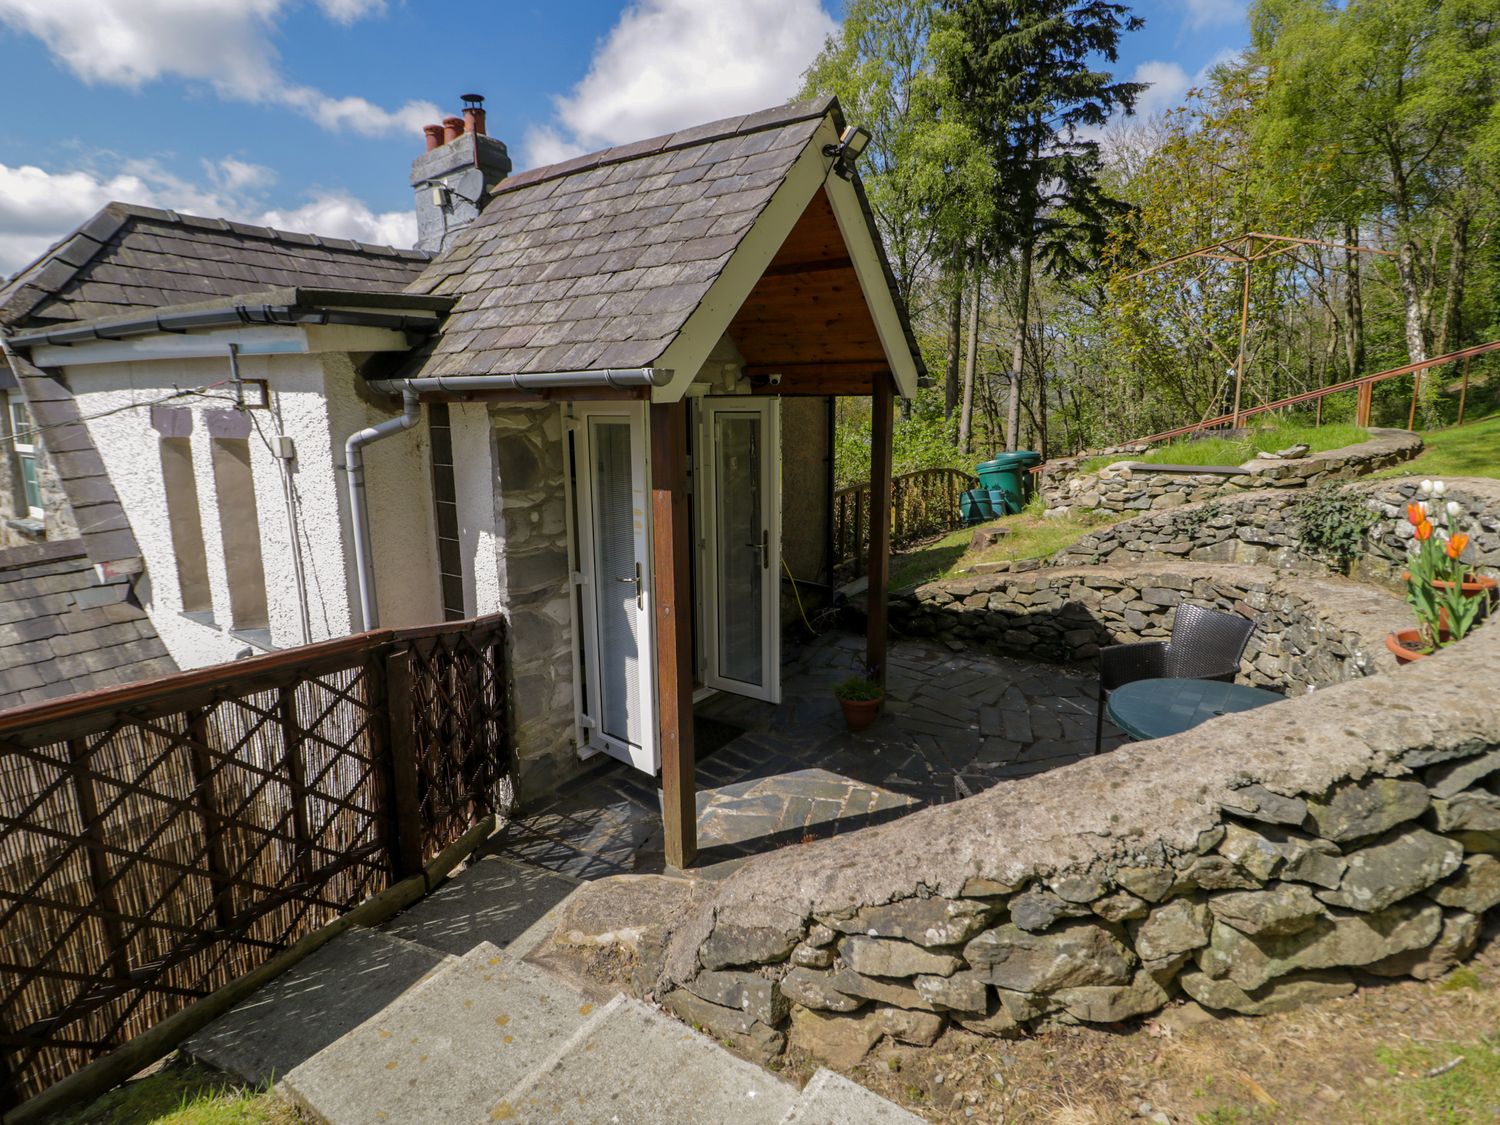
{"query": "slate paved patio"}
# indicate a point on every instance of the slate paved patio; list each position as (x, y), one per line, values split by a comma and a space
(954, 723)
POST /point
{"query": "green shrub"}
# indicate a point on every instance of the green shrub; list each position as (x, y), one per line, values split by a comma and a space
(858, 689)
(1332, 524)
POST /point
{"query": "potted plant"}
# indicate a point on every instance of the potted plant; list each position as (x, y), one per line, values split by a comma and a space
(1443, 590)
(860, 697)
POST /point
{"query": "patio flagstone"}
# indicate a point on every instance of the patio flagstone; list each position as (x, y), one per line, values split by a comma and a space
(954, 724)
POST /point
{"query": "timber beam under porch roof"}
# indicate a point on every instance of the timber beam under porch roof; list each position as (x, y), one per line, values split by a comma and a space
(672, 555)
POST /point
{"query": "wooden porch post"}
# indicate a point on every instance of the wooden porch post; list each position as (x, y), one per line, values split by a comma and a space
(882, 419)
(672, 558)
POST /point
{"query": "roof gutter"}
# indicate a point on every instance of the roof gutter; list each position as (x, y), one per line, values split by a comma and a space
(527, 381)
(229, 317)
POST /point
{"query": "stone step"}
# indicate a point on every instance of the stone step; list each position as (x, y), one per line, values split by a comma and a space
(831, 1099)
(495, 900)
(332, 991)
(444, 1052)
(633, 1065)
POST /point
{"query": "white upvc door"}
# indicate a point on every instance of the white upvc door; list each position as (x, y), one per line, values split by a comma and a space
(618, 710)
(739, 512)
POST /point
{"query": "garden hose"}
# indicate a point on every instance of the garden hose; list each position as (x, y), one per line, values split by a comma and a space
(811, 632)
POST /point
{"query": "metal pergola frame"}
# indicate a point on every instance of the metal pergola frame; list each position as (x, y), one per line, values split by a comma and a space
(1245, 250)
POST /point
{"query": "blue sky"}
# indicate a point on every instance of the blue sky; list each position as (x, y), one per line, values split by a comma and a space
(306, 113)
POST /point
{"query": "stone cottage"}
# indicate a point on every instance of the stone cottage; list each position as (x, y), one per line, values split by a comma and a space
(585, 401)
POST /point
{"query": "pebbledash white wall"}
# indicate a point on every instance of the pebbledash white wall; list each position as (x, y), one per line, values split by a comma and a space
(314, 400)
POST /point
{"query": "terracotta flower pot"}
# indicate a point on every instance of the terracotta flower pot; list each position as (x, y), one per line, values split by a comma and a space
(1406, 644)
(1480, 584)
(860, 713)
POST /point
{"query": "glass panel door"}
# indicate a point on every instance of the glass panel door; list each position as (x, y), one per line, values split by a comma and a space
(617, 572)
(743, 545)
(619, 700)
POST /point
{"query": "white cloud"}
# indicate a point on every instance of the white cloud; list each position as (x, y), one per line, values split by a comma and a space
(226, 44)
(1210, 13)
(1168, 85)
(340, 215)
(349, 11)
(671, 63)
(38, 207)
(230, 174)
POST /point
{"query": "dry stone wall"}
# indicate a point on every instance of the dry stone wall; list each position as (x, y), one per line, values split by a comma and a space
(1261, 528)
(1130, 486)
(1310, 631)
(1255, 863)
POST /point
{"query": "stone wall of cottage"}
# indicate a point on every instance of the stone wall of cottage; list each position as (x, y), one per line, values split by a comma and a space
(1131, 486)
(1262, 528)
(1310, 631)
(1258, 862)
(531, 513)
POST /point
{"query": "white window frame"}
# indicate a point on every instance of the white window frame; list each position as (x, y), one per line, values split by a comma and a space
(22, 432)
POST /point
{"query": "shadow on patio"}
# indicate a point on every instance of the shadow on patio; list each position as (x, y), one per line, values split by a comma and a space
(770, 775)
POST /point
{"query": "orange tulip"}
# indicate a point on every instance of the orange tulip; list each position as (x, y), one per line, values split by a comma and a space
(1424, 530)
(1414, 515)
(1457, 544)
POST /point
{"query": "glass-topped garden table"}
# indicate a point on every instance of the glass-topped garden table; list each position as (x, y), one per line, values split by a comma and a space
(1157, 708)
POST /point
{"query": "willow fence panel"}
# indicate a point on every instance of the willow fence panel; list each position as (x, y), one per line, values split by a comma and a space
(923, 504)
(160, 839)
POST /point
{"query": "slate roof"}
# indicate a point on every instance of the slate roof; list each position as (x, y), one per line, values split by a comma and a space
(61, 632)
(598, 261)
(129, 257)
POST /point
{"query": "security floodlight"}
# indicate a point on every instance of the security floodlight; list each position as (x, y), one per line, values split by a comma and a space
(854, 141)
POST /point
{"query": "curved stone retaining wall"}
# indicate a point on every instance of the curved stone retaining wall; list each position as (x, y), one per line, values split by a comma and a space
(1254, 863)
(1128, 486)
(1261, 527)
(1310, 632)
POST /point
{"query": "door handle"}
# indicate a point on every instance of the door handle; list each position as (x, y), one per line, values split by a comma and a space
(764, 547)
(636, 582)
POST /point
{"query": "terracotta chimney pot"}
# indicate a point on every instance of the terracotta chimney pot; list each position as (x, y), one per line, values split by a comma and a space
(473, 112)
(453, 128)
(434, 135)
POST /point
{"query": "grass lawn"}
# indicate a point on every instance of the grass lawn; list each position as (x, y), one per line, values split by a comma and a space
(1229, 451)
(1032, 536)
(185, 1095)
(1470, 450)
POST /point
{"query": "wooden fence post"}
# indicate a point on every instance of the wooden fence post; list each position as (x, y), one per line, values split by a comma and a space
(406, 804)
(296, 775)
(211, 822)
(1463, 393)
(882, 419)
(859, 532)
(99, 880)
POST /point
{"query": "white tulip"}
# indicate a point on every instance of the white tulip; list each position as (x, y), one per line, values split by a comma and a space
(1454, 509)
(1426, 487)
(1438, 488)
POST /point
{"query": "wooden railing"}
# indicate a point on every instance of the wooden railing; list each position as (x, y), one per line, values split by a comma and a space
(1362, 387)
(923, 503)
(160, 839)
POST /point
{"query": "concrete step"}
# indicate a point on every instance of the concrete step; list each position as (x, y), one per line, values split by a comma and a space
(443, 1053)
(495, 900)
(329, 993)
(831, 1099)
(633, 1065)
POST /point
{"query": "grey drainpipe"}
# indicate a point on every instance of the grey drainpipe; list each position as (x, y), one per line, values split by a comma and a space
(359, 515)
(410, 389)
